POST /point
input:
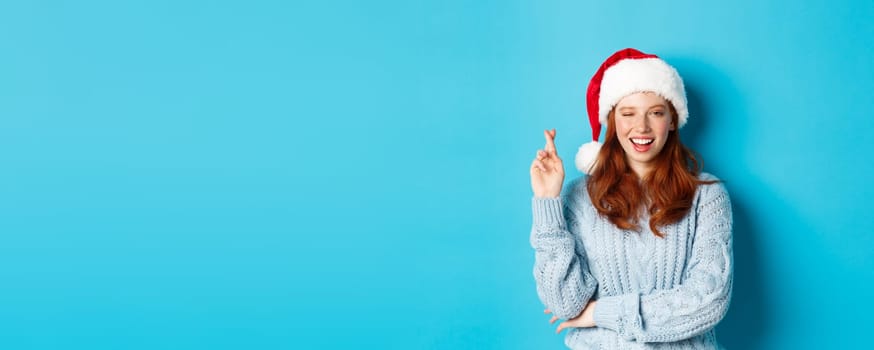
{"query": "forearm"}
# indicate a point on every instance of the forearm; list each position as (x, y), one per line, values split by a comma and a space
(564, 283)
(662, 317)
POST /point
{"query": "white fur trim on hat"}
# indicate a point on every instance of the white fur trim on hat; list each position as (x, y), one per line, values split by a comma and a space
(642, 74)
(586, 156)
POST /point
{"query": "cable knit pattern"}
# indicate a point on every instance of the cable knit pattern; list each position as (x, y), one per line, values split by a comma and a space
(652, 293)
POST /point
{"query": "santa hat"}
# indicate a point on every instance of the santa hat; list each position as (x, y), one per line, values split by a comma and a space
(625, 72)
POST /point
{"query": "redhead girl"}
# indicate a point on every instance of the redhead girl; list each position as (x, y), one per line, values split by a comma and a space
(638, 253)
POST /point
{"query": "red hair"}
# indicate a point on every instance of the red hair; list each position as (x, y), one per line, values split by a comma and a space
(666, 191)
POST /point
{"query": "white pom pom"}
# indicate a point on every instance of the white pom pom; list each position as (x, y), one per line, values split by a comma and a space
(586, 156)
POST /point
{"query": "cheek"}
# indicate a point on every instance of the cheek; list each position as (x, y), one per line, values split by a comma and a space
(663, 129)
(665, 132)
(622, 127)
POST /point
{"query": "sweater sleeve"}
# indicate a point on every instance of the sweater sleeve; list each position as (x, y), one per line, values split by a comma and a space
(564, 283)
(699, 302)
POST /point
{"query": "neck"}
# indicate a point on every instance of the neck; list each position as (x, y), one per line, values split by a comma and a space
(641, 170)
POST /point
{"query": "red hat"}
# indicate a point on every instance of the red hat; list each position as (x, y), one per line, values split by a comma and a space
(625, 72)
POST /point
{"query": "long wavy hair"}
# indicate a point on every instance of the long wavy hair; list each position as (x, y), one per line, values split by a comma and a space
(666, 192)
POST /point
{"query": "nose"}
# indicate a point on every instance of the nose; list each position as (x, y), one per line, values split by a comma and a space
(642, 124)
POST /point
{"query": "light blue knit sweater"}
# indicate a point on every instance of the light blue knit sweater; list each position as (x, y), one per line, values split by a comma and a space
(652, 293)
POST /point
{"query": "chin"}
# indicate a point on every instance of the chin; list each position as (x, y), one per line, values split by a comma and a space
(641, 158)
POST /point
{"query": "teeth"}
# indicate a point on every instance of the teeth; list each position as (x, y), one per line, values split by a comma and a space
(642, 141)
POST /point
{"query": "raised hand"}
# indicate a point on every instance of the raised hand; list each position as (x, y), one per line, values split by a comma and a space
(547, 170)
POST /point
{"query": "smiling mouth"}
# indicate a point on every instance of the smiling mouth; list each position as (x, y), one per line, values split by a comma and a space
(641, 145)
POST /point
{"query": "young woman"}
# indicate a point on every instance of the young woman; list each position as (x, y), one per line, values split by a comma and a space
(638, 254)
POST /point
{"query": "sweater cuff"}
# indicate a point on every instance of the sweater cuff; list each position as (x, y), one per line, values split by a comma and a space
(548, 211)
(607, 312)
(619, 313)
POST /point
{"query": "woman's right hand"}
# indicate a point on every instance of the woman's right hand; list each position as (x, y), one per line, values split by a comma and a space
(547, 171)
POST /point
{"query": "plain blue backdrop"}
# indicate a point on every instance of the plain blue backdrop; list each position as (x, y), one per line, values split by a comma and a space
(339, 174)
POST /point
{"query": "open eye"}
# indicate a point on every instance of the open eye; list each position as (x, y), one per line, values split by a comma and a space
(659, 113)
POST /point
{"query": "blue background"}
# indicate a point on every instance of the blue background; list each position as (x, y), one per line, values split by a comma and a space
(337, 174)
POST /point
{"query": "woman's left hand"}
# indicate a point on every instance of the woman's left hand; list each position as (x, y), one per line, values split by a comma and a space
(586, 318)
